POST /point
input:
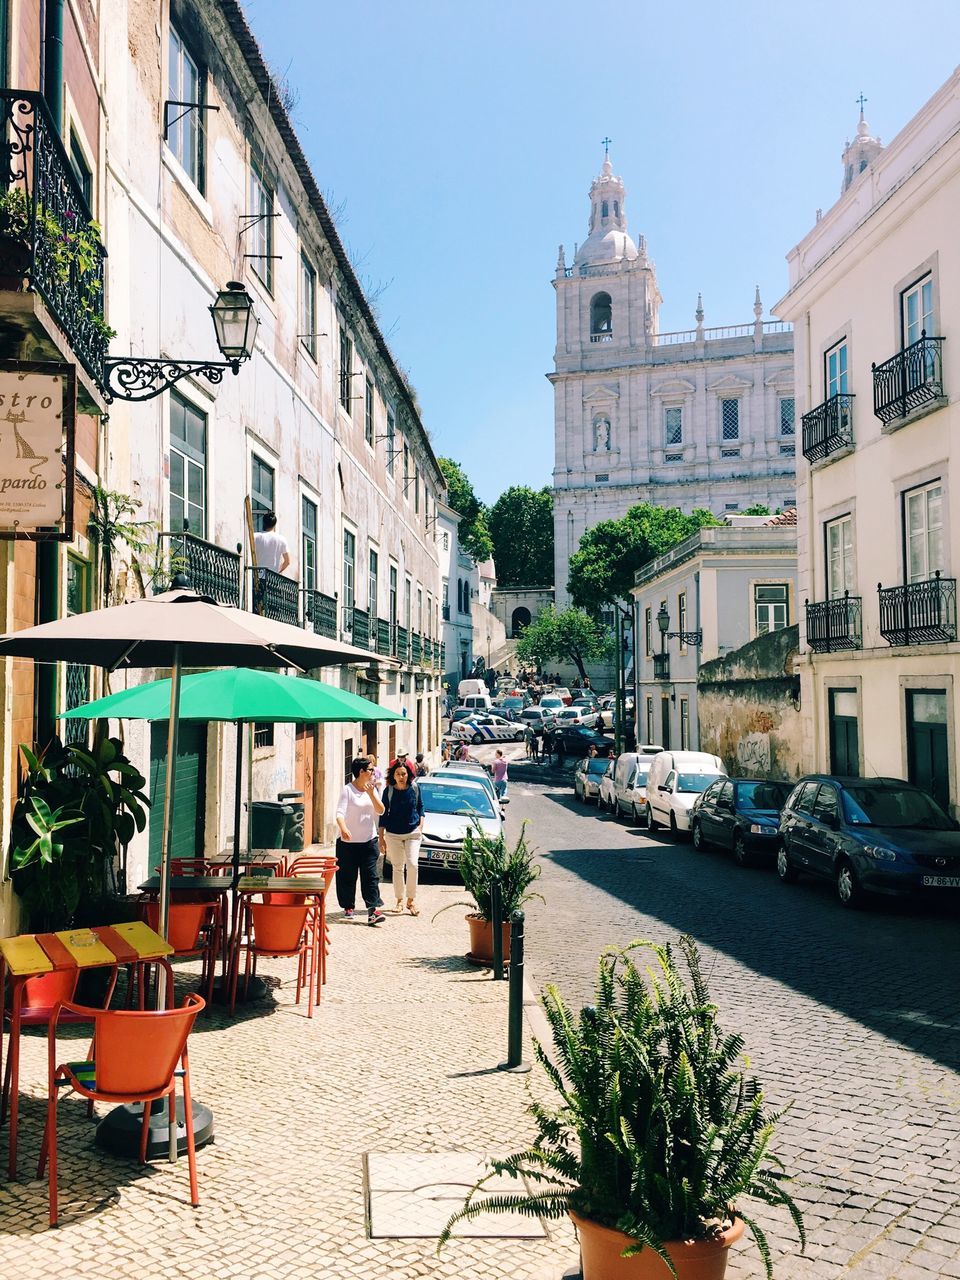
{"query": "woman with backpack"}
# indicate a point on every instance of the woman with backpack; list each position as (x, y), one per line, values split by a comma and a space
(401, 829)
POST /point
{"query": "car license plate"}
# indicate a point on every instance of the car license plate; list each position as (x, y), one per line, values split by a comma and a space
(942, 882)
(441, 855)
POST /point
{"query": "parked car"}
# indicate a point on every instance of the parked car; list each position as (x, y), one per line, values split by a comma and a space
(676, 779)
(742, 814)
(467, 687)
(869, 835)
(608, 709)
(451, 807)
(535, 717)
(511, 705)
(461, 713)
(564, 694)
(577, 740)
(487, 728)
(624, 789)
(587, 777)
(477, 702)
(550, 702)
(576, 715)
(473, 772)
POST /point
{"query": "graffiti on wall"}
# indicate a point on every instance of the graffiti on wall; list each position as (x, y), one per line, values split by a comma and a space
(754, 754)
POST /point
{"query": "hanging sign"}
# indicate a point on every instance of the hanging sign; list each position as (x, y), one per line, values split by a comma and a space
(37, 414)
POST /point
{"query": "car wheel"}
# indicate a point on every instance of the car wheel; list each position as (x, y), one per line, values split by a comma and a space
(785, 868)
(740, 854)
(651, 820)
(636, 816)
(696, 834)
(849, 889)
(477, 739)
(519, 736)
(674, 829)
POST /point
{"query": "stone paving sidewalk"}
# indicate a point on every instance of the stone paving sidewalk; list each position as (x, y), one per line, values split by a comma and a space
(400, 1058)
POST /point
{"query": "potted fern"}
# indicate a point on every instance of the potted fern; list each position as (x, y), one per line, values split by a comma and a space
(658, 1136)
(486, 859)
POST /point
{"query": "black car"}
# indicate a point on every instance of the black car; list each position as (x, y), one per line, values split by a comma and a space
(577, 741)
(742, 814)
(881, 835)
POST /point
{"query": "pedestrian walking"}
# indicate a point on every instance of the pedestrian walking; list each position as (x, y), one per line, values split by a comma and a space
(534, 745)
(358, 844)
(401, 830)
(422, 768)
(529, 738)
(500, 774)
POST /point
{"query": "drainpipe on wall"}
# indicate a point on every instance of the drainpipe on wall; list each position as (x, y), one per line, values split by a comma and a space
(698, 625)
(48, 553)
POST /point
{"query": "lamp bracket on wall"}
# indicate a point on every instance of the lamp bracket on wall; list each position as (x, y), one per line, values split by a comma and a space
(187, 107)
(694, 638)
(135, 378)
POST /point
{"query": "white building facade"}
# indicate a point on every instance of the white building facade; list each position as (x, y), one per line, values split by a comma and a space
(699, 418)
(874, 293)
(460, 582)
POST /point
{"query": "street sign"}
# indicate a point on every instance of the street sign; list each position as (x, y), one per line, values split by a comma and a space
(37, 416)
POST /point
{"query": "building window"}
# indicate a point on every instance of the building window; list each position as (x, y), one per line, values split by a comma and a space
(373, 583)
(731, 506)
(188, 467)
(459, 595)
(844, 733)
(368, 414)
(308, 307)
(682, 615)
(770, 607)
(673, 425)
(684, 724)
(840, 567)
(648, 631)
(923, 531)
(346, 367)
(185, 127)
(81, 169)
(730, 419)
(262, 490)
(603, 477)
(788, 421)
(416, 490)
(260, 231)
(391, 441)
(406, 469)
(393, 595)
(420, 610)
(349, 568)
(916, 311)
(308, 543)
(650, 733)
(835, 370)
(407, 603)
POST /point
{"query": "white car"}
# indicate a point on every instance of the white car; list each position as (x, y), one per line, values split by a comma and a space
(472, 772)
(587, 777)
(451, 808)
(608, 709)
(488, 728)
(551, 703)
(576, 715)
(623, 789)
(672, 800)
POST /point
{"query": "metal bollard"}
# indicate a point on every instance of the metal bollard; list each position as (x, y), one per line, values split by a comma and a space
(496, 920)
(514, 1060)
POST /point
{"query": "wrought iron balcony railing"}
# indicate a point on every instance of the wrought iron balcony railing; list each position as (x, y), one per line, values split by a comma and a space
(274, 595)
(834, 625)
(361, 628)
(320, 613)
(828, 427)
(212, 570)
(47, 234)
(908, 380)
(443, 657)
(416, 648)
(661, 666)
(402, 649)
(383, 637)
(426, 656)
(346, 622)
(445, 610)
(919, 612)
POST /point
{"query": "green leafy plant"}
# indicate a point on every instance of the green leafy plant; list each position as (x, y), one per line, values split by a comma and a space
(658, 1133)
(488, 858)
(77, 812)
(110, 526)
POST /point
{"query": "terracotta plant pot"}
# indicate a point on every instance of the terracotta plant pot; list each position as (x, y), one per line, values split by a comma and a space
(481, 940)
(601, 1247)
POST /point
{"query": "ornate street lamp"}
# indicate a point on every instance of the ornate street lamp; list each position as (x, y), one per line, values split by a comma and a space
(235, 324)
(685, 637)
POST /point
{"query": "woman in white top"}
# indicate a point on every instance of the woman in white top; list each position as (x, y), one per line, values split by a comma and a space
(357, 846)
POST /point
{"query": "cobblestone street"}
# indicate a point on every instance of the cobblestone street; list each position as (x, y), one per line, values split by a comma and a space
(853, 1016)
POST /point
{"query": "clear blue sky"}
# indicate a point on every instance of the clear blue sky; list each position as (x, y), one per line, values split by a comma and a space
(461, 140)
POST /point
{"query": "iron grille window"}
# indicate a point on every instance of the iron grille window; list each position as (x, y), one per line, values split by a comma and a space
(188, 466)
(730, 419)
(263, 735)
(186, 84)
(261, 227)
(673, 425)
(368, 414)
(308, 555)
(308, 306)
(788, 421)
(346, 367)
(262, 490)
(603, 477)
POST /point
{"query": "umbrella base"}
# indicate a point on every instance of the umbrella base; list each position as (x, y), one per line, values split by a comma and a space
(258, 991)
(119, 1132)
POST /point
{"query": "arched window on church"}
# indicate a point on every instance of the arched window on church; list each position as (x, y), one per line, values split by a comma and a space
(616, 208)
(459, 595)
(604, 210)
(601, 318)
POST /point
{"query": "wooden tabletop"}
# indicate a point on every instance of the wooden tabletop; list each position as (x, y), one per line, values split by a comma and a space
(31, 954)
(282, 884)
(214, 884)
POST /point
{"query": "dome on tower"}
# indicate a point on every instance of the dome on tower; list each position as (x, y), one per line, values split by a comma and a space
(608, 240)
(858, 154)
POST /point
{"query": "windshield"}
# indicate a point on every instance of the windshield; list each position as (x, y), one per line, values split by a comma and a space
(763, 795)
(639, 775)
(512, 702)
(599, 765)
(551, 702)
(466, 802)
(893, 807)
(695, 782)
(468, 775)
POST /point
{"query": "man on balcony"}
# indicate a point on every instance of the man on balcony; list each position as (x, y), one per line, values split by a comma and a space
(271, 547)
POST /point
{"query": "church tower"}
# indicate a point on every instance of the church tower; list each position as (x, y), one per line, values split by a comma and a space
(859, 153)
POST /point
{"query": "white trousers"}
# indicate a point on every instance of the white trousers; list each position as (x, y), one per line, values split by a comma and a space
(404, 854)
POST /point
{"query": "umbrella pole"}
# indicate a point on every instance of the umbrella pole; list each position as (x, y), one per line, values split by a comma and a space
(237, 817)
(173, 736)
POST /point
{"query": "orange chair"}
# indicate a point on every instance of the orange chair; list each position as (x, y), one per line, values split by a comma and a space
(277, 932)
(134, 1058)
(325, 865)
(193, 929)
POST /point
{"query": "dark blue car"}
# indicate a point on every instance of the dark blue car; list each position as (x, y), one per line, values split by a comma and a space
(740, 814)
(869, 835)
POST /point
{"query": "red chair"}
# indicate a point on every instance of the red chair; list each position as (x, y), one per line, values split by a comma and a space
(277, 932)
(193, 929)
(134, 1058)
(313, 864)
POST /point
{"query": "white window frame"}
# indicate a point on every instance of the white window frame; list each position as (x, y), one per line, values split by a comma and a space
(305, 499)
(840, 556)
(929, 537)
(765, 618)
(836, 370)
(308, 306)
(262, 198)
(920, 298)
(185, 135)
(190, 462)
(373, 584)
(349, 567)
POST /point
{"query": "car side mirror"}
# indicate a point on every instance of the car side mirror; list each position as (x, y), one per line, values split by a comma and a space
(663, 788)
(831, 820)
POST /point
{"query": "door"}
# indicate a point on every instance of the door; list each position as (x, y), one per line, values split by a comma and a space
(189, 800)
(306, 756)
(844, 733)
(928, 756)
(822, 835)
(724, 814)
(665, 723)
(800, 824)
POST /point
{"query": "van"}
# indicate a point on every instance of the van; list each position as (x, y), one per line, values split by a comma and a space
(630, 775)
(467, 687)
(477, 702)
(675, 780)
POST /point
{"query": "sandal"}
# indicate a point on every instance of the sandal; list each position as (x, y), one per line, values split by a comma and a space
(412, 907)
(398, 909)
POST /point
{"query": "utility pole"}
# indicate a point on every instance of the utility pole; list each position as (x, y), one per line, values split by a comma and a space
(618, 715)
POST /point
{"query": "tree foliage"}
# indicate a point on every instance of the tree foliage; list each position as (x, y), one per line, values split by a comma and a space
(474, 534)
(602, 569)
(758, 509)
(521, 526)
(564, 635)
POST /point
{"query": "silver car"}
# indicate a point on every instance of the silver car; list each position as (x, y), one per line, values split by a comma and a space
(452, 806)
(472, 772)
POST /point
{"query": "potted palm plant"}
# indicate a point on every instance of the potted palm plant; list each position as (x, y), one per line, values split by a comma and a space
(484, 860)
(658, 1136)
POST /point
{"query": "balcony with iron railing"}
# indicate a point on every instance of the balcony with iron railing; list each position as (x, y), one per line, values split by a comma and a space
(445, 612)
(384, 647)
(828, 428)
(319, 613)
(274, 595)
(50, 246)
(402, 641)
(835, 625)
(361, 628)
(211, 570)
(919, 612)
(661, 666)
(909, 381)
(416, 648)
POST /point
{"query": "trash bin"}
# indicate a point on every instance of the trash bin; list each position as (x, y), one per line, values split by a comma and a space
(293, 835)
(268, 822)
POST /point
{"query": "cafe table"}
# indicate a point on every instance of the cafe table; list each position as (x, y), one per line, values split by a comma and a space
(209, 886)
(309, 887)
(33, 954)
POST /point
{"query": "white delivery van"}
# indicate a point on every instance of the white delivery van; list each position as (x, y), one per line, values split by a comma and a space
(477, 702)
(630, 784)
(467, 687)
(675, 780)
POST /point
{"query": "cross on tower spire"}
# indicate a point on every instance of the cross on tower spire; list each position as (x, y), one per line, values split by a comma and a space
(606, 146)
(862, 100)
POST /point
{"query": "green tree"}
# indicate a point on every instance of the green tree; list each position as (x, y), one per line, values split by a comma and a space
(521, 526)
(602, 569)
(564, 635)
(474, 534)
(758, 509)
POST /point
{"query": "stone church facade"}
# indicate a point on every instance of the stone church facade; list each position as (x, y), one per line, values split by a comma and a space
(698, 418)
